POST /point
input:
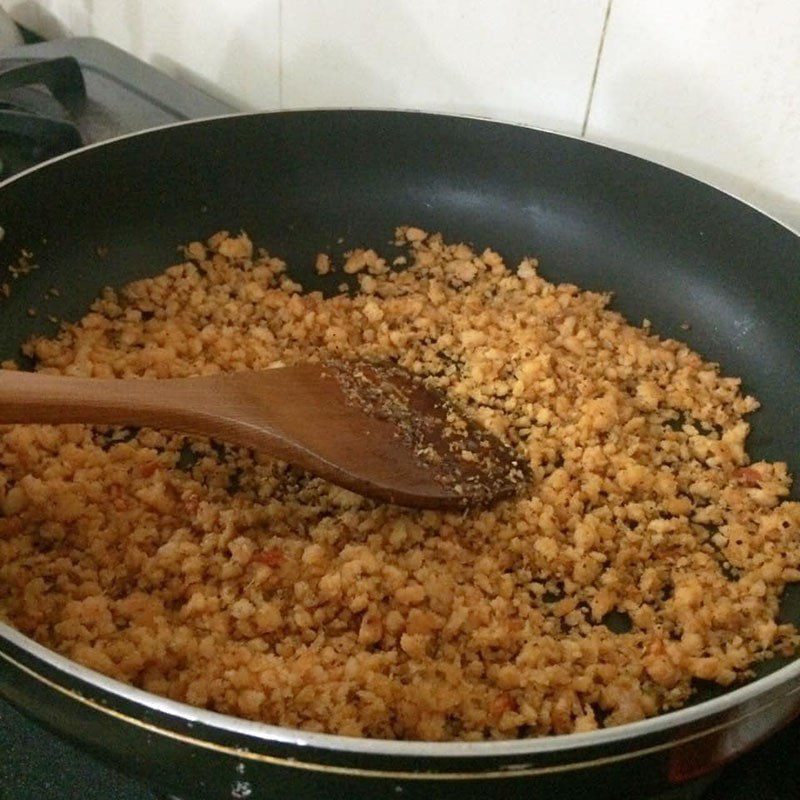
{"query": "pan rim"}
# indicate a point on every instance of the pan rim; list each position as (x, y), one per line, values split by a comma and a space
(384, 747)
(409, 112)
(262, 731)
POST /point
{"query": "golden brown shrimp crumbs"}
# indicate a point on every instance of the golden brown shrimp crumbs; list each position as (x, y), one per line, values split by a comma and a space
(230, 581)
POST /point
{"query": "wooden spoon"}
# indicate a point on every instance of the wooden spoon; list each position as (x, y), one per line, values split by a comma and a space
(371, 428)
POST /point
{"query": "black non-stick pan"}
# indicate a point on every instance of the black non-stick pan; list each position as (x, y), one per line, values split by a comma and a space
(672, 249)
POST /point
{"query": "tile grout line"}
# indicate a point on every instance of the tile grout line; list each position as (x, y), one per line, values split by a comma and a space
(596, 68)
(280, 55)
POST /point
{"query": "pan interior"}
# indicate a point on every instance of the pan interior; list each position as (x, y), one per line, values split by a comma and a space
(672, 250)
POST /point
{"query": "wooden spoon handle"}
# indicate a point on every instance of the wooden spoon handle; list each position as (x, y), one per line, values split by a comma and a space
(27, 397)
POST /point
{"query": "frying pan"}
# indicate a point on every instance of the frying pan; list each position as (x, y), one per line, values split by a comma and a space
(673, 250)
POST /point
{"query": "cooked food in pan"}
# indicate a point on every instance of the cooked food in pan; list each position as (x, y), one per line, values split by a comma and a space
(647, 551)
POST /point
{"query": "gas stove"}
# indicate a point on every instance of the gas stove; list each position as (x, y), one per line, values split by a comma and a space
(56, 96)
(60, 95)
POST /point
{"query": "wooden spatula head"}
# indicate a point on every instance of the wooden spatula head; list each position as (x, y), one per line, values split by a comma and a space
(377, 430)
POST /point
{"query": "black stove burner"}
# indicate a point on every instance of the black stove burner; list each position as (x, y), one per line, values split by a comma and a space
(35, 126)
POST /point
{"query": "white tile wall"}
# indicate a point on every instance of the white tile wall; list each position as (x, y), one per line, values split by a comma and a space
(525, 61)
(711, 87)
